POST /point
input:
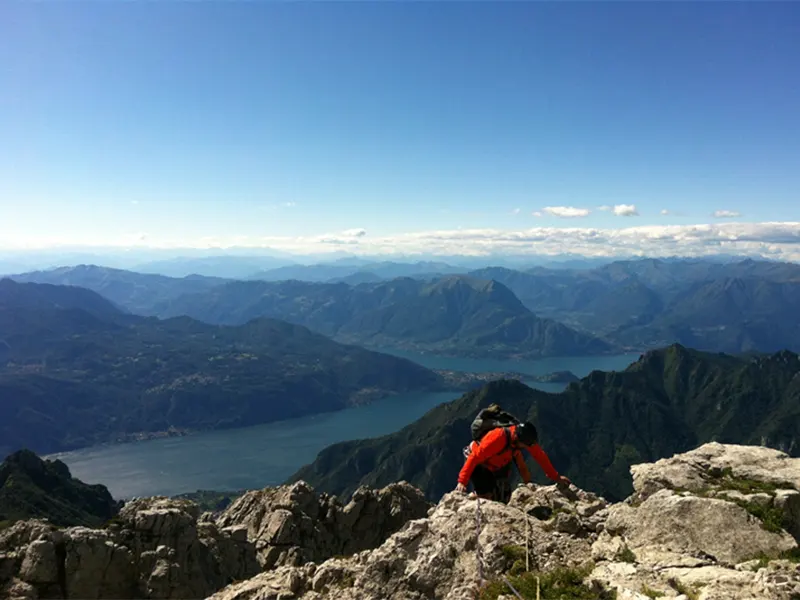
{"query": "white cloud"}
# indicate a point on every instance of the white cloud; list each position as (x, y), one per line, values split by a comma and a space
(348, 237)
(726, 214)
(665, 212)
(537, 213)
(516, 211)
(775, 239)
(605, 207)
(289, 204)
(626, 210)
(778, 240)
(566, 212)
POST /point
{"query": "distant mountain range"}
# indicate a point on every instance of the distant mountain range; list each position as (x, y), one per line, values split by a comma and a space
(338, 271)
(669, 401)
(76, 371)
(729, 306)
(136, 292)
(722, 307)
(454, 315)
(228, 267)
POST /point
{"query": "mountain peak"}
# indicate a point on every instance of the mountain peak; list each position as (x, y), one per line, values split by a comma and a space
(495, 391)
(663, 355)
(30, 296)
(31, 487)
(29, 462)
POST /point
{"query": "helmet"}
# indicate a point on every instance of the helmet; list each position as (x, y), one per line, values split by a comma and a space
(527, 434)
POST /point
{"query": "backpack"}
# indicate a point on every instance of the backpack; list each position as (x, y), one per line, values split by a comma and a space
(491, 418)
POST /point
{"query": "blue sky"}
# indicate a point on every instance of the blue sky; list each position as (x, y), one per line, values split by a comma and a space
(302, 125)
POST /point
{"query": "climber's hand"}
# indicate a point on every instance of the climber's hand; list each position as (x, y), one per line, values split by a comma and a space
(461, 488)
(563, 480)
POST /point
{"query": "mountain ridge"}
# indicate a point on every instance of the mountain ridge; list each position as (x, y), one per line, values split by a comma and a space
(70, 379)
(455, 315)
(35, 488)
(718, 522)
(630, 304)
(669, 400)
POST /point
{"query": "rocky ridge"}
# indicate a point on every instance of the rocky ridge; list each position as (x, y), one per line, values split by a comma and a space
(711, 524)
(154, 548)
(293, 525)
(718, 523)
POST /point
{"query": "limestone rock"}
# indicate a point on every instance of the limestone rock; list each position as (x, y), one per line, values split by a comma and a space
(780, 580)
(704, 468)
(435, 556)
(663, 540)
(292, 525)
(788, 502)
(671, 525)
(156, 549)
(23, 533)
(705, 525)
(40, 564)
(694, 523)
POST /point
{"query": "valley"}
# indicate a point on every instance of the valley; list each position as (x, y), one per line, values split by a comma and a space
(71, 378)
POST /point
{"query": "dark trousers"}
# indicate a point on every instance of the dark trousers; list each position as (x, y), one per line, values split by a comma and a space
(495, 485)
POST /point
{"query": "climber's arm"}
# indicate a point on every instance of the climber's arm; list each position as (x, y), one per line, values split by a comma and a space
(540, 456)
(522, 467)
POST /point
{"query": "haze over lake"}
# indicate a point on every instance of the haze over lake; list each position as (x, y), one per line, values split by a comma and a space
(268, 454)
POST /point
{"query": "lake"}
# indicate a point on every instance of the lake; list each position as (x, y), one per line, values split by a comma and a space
(265, 455)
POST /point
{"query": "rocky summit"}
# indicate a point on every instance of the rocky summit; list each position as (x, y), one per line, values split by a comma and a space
(293, 525)
(720, 522)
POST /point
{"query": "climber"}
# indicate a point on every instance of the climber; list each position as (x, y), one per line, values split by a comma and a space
(488, 462)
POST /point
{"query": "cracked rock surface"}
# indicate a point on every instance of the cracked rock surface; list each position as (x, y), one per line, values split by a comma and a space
(717, 523)
(156, 548)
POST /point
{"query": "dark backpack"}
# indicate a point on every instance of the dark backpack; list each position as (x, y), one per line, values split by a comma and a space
(491, 418)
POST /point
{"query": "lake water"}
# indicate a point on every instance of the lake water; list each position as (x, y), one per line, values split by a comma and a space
(268, 454)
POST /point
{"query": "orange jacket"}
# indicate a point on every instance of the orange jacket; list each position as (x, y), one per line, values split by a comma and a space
(494, 453)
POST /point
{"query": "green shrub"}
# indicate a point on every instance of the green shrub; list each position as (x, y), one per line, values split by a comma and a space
(626, 555)
(771, 517)
(651, 593)
(792, 555)
(513, 553)
(688, 591)
(564, 584)
(727, 481)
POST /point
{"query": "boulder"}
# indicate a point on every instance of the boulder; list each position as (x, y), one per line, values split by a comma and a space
(711, 523)
(292, 525)
(156, 548)
(717, 466)
(668, 527)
